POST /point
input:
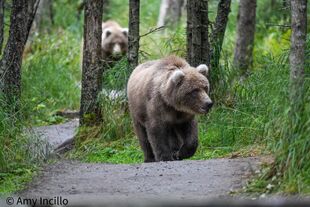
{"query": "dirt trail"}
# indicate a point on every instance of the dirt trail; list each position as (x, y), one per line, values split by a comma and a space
(55, 135)
(190, 180)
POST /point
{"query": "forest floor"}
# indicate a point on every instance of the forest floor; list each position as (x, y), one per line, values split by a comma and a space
(188, 179)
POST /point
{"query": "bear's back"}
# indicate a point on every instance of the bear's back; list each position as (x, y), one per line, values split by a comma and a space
(146, 79)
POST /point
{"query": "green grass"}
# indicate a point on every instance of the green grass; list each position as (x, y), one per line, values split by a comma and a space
(21, 152)
(17, 180)
(51, 77)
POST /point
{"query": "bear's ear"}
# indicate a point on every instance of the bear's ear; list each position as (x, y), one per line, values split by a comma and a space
(176, 77)
(203, 69)
(107, 32)
(125, 31)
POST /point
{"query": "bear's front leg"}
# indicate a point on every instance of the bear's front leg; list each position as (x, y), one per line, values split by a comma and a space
(159, 139)
(188, 133)
(144, 142)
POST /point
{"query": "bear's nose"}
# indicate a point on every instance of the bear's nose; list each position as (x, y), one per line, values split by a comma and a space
(208, 105)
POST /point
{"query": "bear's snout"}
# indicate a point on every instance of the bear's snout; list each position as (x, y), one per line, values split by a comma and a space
(207, 106)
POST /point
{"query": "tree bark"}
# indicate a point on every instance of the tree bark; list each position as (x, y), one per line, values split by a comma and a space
(170, 13)
(1, 24)
(133, 34)
(218, 32)
(106, 4)
(245, 35)
(198, 48)
(22, 15)
(90, 112)
(297, 55)
(189, 33)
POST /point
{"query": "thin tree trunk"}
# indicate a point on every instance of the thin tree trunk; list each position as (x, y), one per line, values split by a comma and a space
(245, 35)
(106, 4)
(32, 11)
(218, 32)
(22, 15)
(197, 32)
(189, 33)
(133, 35)
(1, 24)
(90, 113)
(170, 12)
(204, 30)
(297, 55)
(196, 54)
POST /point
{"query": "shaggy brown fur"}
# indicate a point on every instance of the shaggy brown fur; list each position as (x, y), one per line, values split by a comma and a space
(164, 96)
(114, 41)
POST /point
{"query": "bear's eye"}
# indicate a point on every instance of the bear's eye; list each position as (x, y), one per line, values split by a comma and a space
(195, 92)
(206, 89)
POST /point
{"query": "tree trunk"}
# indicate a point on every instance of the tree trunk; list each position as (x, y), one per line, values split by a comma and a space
(22, 15)
(1, 24)
(44, 17)
(133, 35)
(198, 48)
(90, 113)
(170, 12)
(218, 32)
(189, 33)
(106, 4)
(245, 35)
(297, 55)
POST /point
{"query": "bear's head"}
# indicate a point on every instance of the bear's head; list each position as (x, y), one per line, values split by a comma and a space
(187, 89)
(114, 41)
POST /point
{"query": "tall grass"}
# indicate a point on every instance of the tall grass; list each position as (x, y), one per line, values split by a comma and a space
(51, 76)
(293, 145)
(21, 152)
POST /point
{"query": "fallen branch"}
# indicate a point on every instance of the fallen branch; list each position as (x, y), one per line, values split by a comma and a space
(157, 29)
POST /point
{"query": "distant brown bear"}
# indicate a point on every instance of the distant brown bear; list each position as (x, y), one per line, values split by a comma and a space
(164, 97)
(114, 41)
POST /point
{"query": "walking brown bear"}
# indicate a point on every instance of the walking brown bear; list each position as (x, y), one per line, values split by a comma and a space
(164, 96)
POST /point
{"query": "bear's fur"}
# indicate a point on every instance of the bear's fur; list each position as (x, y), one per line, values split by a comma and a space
(164, 96)
(114, 41)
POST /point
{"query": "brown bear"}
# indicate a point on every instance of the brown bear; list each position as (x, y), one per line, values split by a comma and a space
(114, 41)
(164, 96)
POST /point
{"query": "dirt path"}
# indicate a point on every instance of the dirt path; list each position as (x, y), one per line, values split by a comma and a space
(180, 180)
(196, 180)
(55, 135)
